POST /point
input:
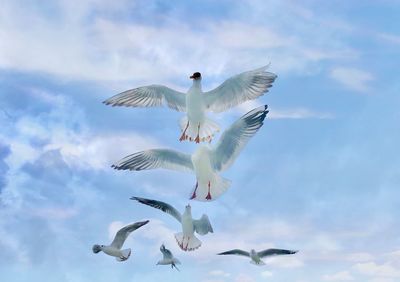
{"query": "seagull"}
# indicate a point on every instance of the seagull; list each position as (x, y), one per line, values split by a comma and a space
(168, 258)
(186, 239)
(195, 126)
(206, 162)
(257, 256)
(115, 248)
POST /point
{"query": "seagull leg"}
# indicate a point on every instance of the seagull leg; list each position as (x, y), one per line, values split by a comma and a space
(195, 189)
(197, 139)
(183, 136)
(209, 194)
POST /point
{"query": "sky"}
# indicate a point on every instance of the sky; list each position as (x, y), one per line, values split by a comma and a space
(321, 176)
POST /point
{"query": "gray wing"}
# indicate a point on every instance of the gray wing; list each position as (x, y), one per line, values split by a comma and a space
(124, 232)
(238, 89)
(274, 252)
(236, 137)
(159, 205)
(166, 253)
(150, 96)
(236, 252)
(156, 158)
(202, 226)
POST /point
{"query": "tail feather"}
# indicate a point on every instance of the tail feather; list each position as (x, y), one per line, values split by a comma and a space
(125, 255)
(218, 186)
(205, 133)
(187, 243)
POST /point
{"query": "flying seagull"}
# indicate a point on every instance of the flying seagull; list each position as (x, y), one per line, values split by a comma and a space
(168, 258)
(257, 256)
(195, 126)
(115, 248)
(186, 239)
(206, 162)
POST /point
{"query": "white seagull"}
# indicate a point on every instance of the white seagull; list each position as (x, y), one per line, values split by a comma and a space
(257, 256)
(206, 162)
(168, 258)
(115, 248)
(196, 126)
(186, 239)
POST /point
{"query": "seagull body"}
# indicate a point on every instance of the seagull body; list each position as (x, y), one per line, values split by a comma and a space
(168, 258)
(206, 162)
(186, 239)
(257, 256)
(195, 126)
(115, 248)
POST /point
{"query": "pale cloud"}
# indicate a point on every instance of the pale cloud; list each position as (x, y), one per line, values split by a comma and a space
(266, 274)
(219, 272)
(379, 270)
(339, 276)
(352, 78)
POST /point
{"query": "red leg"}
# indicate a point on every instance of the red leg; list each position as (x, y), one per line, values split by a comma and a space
(187, 244)
(194, 193)
(197, 140)
(209, 194)
(183, 136)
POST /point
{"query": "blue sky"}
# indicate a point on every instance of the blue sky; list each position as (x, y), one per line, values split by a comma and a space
(321, 176)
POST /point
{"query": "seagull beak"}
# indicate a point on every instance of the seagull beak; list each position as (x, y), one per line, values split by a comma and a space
(191, 77)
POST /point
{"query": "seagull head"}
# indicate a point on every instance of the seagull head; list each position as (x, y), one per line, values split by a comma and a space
(253, 252)
(196, 76)
(97, 248)
(188, 208)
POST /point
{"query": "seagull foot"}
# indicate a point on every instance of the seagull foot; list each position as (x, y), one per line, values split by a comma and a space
(208, 196)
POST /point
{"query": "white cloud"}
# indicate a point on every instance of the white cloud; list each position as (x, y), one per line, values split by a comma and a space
(340, 276)
(219, 272)
(352, 78)
(266, 274)
(378, 270)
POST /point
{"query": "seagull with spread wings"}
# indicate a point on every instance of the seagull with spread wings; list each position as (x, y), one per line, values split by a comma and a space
(115, 248)
(257, 256)
(195, 126)
(206, 162)
(168, 258)
(186, 239)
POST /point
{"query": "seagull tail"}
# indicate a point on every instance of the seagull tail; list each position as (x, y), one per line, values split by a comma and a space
(218, 186)
(199, 132)
(187, 243)
(125, 255)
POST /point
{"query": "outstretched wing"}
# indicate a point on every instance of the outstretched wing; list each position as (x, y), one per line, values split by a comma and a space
(238, 89)
(275, 252)
(236, 137)
(236, 252)
(156, 158)
(159, 205)
(202, 226)
(149, 96)
(166, 253)
(124, 232)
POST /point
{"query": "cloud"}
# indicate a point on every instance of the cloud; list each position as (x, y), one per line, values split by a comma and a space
(266, 274)
(218, 272)
(352, 78)
(377, 270)
(340, 276)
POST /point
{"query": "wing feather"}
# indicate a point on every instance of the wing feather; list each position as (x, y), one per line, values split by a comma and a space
(156, 158)
(149, 96)
(124, 232)
(160, 205)
(236, 137)
(275, 252)
(238, 89)
(236, 252)
(202, 226)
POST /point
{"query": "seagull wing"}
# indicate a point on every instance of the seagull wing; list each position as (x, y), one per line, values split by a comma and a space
(274, 252)
(238, 89)
(236, 137)
(203, 225)
(166, 253)
(156, 158)
(236, 252)
(149, 96)
(160, 205)
(124, 232)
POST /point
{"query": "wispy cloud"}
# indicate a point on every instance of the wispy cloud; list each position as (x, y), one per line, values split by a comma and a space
(352, 78)
(339, 276)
